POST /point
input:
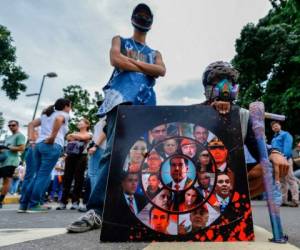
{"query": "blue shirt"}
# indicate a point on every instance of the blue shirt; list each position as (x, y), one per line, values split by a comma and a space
(127, 86)
(283, 141)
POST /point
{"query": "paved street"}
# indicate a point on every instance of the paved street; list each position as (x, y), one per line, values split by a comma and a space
(51, 234)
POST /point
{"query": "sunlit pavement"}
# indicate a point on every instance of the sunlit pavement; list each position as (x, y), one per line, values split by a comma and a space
(47, 231)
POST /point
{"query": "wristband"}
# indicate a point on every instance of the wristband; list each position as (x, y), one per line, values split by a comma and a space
(274, 151)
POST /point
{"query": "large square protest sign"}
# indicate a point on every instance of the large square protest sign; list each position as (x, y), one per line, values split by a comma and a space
(177, 173)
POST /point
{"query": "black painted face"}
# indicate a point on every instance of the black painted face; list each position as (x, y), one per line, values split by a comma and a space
(142, 18)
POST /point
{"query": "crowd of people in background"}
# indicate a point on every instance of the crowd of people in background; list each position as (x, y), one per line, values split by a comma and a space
(67, 167)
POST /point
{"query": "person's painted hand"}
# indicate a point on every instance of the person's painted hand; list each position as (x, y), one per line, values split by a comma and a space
(222, 107)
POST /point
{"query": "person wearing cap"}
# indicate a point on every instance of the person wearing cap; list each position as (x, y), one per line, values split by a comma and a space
(219, 152)
(189, 148)
(220, 81)
(136, 67)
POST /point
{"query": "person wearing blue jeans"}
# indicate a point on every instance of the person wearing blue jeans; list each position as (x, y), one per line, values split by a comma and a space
(97, 196)
(30, 168)
(57, 187)
(48, 148)
(45, 157)
(96, 149)
(29, 174)
(136, 68)
(14, 186)
(93, 166)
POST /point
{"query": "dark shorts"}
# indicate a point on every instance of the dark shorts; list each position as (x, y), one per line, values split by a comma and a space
(7, 171)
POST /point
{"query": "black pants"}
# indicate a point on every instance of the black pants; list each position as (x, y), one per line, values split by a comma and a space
(75, 166)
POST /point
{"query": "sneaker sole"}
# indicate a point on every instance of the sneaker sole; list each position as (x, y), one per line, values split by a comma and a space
(33, 212)
(78, 229)
(22, 211)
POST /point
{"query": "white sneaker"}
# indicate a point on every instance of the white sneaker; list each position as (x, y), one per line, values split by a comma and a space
(89, 221)
(74, 206)
(82, 208)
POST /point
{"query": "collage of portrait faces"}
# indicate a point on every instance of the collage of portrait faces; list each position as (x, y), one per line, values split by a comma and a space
(177, 179)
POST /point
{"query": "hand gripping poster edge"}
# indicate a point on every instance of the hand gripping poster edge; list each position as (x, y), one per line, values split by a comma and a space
(257, 116)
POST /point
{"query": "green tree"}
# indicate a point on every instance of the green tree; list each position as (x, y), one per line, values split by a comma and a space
(11, 75)
(268, 58)
(2, 121)
(83, 105)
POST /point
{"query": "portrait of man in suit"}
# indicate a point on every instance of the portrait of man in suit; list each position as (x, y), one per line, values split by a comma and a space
(135, 202)
(204, 187)
(169, 148)
(219, 152)
(179, 167)
(158, 133)
(223, 190)
(221, 197)
(159, 220)
(200, 134)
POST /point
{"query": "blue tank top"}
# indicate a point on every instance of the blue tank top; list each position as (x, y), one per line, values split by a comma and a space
(127, 86)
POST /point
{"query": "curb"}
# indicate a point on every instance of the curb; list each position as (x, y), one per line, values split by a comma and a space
(11, 199)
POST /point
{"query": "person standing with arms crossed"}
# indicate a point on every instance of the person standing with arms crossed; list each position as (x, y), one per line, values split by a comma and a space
(136, 68)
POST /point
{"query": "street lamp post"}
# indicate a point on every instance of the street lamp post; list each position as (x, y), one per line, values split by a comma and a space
(50, 75)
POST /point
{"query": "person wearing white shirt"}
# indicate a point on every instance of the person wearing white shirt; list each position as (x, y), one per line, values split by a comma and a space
(48, 148)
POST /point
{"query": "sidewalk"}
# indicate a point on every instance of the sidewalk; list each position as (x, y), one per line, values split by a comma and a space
(47, 231)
